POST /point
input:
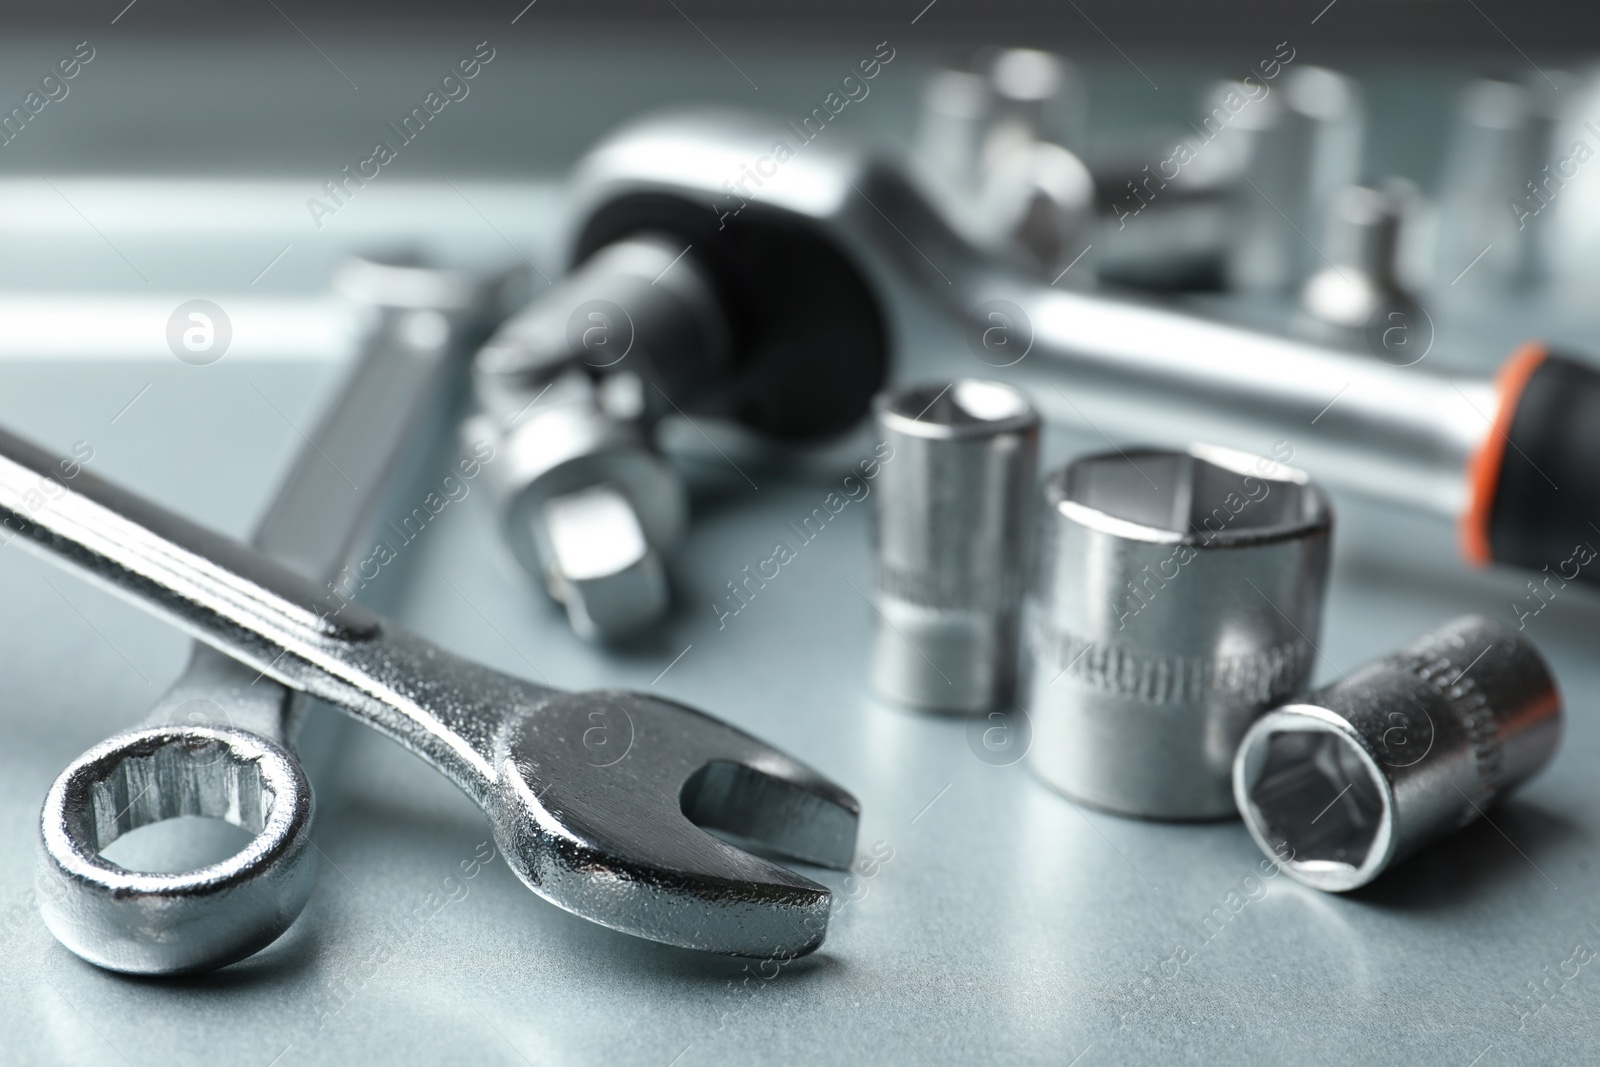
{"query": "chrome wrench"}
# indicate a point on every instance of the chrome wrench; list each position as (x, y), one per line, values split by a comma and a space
(616, 839)
(385, 419)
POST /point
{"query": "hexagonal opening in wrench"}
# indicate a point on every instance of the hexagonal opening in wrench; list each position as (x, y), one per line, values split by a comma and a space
(1205, 496)
(1315, 800)
(183, 805)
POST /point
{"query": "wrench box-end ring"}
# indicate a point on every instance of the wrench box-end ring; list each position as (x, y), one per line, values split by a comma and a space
(1175, 598)
(210, 916)
(1350, 780)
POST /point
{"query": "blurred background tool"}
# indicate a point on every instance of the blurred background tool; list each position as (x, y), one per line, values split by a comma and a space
(1494, 182)
(1358, 300)
(992, 151)
(590, 509)
(1295, 162)
(770, 334)
(1507, 460)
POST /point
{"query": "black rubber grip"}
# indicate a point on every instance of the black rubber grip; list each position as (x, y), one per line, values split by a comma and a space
(1546, 504)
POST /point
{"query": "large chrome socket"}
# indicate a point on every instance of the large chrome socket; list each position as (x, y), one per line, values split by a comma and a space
(1404, 751)
(1175, 598)
(950, 543)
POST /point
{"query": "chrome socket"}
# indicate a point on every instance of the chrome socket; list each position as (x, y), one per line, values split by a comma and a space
(587, 505)
(1176, 596)
(1303, 147)
(1493, 191)
(990, 151)
(590, 508)
(950, 543)
(1400, 753)
(1359, 299)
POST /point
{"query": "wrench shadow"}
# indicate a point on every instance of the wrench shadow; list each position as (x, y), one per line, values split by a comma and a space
(625, 956)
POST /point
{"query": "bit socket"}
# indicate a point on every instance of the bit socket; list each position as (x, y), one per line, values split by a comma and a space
(587, 506)
(1176, 597)
(1494, 186)
(1359, 298)
(1402, 752)
(950, 543)
(1308, 149)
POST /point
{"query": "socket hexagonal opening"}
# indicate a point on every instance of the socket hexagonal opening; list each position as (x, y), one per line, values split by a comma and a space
(1316, 801)
(1204, 496)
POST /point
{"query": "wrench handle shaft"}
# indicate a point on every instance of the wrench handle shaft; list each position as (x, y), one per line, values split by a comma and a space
(386, 419)
(201, 579)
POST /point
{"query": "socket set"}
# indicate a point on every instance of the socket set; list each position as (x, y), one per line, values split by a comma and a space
(1173, 609)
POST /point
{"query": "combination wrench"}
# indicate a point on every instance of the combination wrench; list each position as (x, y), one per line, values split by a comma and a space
(385, 420)
(619, 840)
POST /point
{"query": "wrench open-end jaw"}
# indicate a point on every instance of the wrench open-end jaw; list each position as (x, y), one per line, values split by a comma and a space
(601, 801)
(600, 808)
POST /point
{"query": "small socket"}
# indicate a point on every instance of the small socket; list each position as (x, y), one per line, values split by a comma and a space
(1400, 753)
(950, 543)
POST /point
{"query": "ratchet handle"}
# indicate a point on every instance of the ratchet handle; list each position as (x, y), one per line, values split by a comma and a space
(1535, 482)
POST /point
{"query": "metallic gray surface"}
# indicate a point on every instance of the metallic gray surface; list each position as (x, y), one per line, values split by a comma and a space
(950, 537)
(1357, 777)
(1176, 597)
(221, 714)
(601, 834)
